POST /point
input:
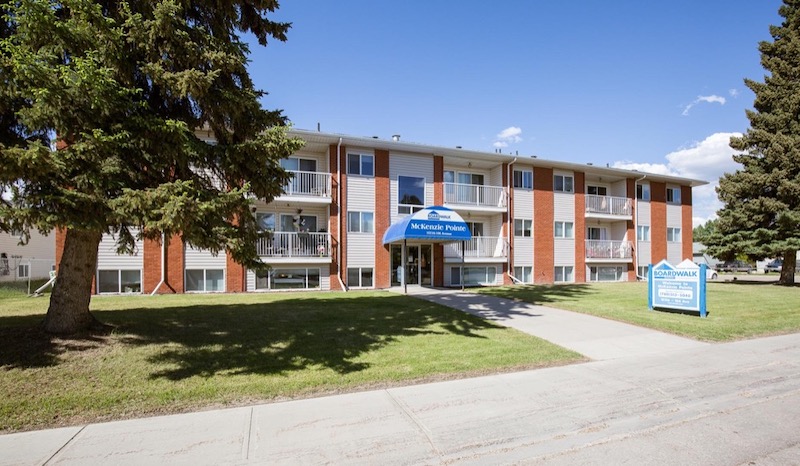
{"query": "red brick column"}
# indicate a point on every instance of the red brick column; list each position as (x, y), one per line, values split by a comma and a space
(580, 227)
(336, 205)
(631, 235)
(151, 264)
(686, 222)
(438, 199)
(383, 219)
(543, 217)
(235, 281)
(174, 273)
(658, 222)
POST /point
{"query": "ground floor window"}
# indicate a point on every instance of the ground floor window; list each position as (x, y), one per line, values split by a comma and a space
(606, 274)
(524, 274)
(23, 271)
(359, 277)
(119, 281)
(287, 279)
(205, 280)
(473, 276)
(642, 271)
(564, 274)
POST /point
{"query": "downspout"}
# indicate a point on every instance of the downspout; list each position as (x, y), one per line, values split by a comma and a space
(636, 229)
(163, 265)
(339, 212)
(509, 183)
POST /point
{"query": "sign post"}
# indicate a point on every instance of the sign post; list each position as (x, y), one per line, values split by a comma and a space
(681, 287)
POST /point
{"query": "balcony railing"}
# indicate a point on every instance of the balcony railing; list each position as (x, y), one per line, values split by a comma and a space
(602, 249)
(478, 246)
(291, 244)
(608, 205)
(474, 194)
(308, 184)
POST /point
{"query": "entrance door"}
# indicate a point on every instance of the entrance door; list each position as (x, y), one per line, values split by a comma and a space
(418, 266)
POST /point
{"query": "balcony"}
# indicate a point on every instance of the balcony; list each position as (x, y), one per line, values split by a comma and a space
(282, 246)
(474, 197)
(608, 207)
(609, 251)
(478, 249)
(307, 187)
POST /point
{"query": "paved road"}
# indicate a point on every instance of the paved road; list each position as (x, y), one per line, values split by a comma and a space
(726, 404)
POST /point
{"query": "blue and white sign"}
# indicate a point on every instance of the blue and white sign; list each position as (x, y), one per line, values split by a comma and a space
(681, 287)
(432, 224)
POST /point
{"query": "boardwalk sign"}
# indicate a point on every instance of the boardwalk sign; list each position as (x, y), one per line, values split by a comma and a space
(681, 287)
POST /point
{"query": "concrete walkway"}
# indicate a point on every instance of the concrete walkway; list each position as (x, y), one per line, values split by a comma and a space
(725, 404)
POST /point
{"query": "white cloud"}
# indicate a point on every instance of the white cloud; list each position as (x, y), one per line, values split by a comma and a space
(706, 160)
(711, 99)
(507, 136)
(733, 93)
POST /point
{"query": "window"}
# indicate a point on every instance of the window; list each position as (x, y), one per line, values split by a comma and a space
(298, 222)
(205, 280)
(360, 222)
(410, 194)
(286, 279)
(524, 274)
(563, 274)
(265, 222)
(294, 163)
(597, 190)
(523, 179)
(643, 192)
(563, 183)
(523, 227)
(643, 233)
(359, 277)
(564, 230)
(119, 281)
(674, 195)
(473, 276)
(606, 274)
(475, 228)
(360, 164)
(673, 235)
(23, 270)
(642, 271)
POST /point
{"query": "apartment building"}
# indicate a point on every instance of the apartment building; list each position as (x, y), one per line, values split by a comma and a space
(33, 260)
(531, 220)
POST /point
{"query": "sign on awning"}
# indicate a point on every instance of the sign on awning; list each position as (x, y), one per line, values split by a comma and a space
(433, 224)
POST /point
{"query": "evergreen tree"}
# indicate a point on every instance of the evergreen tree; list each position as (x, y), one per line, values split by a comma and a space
(121, 89)
(761, 216)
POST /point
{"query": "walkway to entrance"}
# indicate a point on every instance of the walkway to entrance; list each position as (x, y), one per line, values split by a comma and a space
(594, 337)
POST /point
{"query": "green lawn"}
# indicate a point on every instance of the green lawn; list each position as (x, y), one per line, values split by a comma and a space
(178, 353)
(735, 310)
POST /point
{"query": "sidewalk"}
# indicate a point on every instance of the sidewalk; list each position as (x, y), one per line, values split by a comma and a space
(645, 402)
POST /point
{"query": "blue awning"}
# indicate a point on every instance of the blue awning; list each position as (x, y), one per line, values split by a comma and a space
(433, 224)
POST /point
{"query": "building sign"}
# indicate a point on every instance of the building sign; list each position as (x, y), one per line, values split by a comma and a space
(681, 287)
(432, 223)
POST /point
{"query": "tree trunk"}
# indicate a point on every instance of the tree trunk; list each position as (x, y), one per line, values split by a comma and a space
(788, 268)
(69, 302)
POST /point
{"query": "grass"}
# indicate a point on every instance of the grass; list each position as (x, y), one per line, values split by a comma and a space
(168, 354)
(735, 310)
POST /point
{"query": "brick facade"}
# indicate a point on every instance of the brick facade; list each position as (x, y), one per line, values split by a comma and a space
(631, 230)
(686, 223)
(580, 227)
(333, 215)
(438, 199)
(382, 270)
(543, 239)
(658, 222)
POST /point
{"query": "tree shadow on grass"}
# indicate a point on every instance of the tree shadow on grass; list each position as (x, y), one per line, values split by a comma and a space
(273, 337)
(24, 345)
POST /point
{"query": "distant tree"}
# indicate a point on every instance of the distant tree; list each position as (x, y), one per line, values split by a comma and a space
(761, 213)
(701, 233)
(120, 88)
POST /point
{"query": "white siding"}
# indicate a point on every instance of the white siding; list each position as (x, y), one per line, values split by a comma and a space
(643, 212)
(619, 189)
(644, 253)
(322, 159)
(619, 231)
(108, 259)
(674, 215)
(495, 177)
(674, 252)
(409, 165)
(360, 250)
(361, 193)
(564, 207)
(564, 251)
(39, 254)
(203, 259)
(523, 251)
(523, 204)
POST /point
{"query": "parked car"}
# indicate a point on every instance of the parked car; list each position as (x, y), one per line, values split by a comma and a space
(774, 266)
(736, 266)
(711, 274)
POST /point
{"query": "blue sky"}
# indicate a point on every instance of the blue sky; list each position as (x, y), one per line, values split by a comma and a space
(656, 86)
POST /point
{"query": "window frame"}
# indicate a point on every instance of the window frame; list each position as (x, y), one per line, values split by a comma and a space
(521, 275)
(485, 275)
(360, 165)
(643, 192)
(564, 183)
(408, 209)
(205, 280)
(26, 267)
(564, 229)
(643, 233)
(521, 228)
(360, 271)
(675, 234)
(118, 281)
(565, 277)
(361, 221)
(524, 175)
(673, 195)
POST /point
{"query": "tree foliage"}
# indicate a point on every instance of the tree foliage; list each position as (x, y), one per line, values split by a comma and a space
(122, 87)
(701, 233)
(761, 213)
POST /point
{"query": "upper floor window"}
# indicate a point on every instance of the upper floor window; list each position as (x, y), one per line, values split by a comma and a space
(298, 164)
(360, 164)
(563, 184)
(523, 179)
(360, 222)
(674, 195)
(410, 194)
(523, 227)
(673, 235)
(643, 192)
(643, 233)
(597, 190)
(475, 228)
(564, 230)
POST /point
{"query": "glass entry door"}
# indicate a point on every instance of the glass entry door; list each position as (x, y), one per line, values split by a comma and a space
(418, 264)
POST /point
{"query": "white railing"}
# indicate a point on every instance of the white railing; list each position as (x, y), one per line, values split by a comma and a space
(308, 184)
(474, 194)
(478, 246)
(602, 249)
(291, 244)
(608, 205)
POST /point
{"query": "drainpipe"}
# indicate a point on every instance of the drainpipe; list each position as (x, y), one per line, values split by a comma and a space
(636, 230)
(163, 260)
(339, 211)
(509, 183)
